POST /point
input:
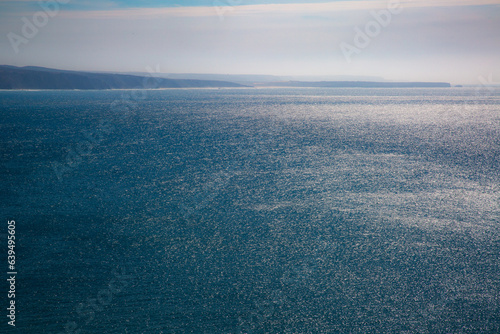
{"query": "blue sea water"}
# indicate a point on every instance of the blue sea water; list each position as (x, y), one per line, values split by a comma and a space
(253, 210)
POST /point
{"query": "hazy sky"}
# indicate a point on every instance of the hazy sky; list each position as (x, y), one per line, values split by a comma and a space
(456, 41)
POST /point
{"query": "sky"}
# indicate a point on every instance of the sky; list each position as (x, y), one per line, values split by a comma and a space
(455, 41)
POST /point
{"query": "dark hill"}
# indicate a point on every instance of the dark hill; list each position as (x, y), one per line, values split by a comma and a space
(31, 77)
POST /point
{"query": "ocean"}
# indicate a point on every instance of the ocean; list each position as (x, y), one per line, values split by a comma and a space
(252, 210)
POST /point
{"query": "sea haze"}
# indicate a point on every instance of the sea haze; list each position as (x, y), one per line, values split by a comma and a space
(287, 210)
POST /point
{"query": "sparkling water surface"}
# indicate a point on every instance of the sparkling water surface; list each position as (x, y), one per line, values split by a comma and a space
(253, 210)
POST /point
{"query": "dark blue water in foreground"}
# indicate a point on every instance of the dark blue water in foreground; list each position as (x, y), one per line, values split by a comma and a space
(253, 210)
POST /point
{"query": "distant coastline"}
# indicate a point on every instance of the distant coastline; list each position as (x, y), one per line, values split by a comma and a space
(41, 78)
(359, 84)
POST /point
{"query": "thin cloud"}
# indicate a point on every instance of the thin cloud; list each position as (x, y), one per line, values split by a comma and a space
(290, 9)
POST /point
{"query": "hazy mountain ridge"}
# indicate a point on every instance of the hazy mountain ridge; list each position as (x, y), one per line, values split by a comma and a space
(255, 79)
(32, 77)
